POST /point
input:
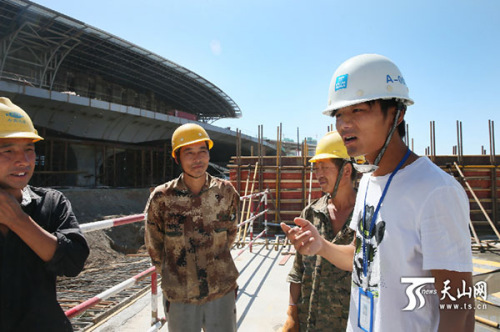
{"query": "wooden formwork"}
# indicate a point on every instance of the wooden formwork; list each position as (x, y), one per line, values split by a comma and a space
(289, 183)
(484, 181)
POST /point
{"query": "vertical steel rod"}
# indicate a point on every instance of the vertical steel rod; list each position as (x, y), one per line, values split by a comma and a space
(434, 140)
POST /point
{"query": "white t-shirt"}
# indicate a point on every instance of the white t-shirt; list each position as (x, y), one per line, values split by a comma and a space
(422, 225)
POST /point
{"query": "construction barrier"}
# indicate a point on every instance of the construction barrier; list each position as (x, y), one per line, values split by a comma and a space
(265, 195)
(251, 217)
(156, 323)
(82, 307)
(108, 293)
(97, 225)
(154, 298)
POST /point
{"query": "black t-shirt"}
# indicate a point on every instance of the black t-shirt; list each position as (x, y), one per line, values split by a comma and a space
(28, 284)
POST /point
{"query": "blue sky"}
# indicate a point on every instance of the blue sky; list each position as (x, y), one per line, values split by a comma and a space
(275, 58)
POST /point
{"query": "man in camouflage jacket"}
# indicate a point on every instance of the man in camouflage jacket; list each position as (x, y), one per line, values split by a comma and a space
(325, 289)
(190, 228)
(319, 291)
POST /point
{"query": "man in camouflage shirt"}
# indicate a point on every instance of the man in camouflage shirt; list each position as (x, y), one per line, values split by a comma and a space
(190, 228)
(319, 291)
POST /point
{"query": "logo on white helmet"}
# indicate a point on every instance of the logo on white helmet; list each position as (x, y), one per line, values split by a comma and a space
(341, 82)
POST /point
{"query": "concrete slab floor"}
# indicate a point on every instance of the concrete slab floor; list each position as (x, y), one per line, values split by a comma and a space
(261, 304)
(263, 294)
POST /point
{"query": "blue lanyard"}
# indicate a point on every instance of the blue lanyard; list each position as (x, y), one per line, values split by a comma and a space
(374, 217)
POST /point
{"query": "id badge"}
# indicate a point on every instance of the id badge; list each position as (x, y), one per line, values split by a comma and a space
(365, 310)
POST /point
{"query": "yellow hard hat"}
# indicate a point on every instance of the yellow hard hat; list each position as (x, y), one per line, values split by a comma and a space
(330, 146)
(187, 134)
(15, 123)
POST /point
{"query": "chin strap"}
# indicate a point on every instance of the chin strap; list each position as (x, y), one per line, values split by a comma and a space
(337, 182)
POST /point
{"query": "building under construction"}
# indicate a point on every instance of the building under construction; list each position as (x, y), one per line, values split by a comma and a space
(106, 108)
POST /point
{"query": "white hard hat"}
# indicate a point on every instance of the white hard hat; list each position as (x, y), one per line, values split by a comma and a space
(363, 78)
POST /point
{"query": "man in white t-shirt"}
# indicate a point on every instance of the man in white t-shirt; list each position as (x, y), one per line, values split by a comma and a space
(412, 253)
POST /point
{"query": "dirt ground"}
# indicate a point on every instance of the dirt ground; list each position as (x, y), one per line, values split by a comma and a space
(112, 244)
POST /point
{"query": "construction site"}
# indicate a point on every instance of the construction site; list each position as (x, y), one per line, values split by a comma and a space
(107, 109)
(276, 189)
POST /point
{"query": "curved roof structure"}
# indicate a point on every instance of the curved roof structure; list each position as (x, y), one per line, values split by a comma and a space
(40, 47)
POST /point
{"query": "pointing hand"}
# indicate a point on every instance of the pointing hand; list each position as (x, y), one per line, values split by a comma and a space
(304, 237)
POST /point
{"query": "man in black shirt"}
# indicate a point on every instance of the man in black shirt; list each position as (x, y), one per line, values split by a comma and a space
(39, 234)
